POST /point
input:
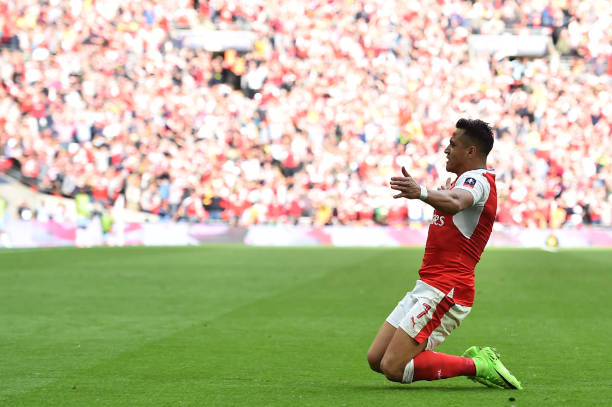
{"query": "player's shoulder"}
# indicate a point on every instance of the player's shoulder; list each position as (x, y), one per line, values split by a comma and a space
(479, 175)
(476, 180)
(479, 172)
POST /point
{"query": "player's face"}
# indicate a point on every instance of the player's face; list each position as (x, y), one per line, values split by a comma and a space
(455, 152)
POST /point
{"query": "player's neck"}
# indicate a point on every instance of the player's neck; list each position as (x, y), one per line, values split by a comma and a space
(481, 165)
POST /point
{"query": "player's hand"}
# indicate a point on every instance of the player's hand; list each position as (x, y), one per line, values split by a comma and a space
(445, 187)
(406, 185)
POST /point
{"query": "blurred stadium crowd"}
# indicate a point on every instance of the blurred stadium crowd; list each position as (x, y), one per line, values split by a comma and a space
(334, 97)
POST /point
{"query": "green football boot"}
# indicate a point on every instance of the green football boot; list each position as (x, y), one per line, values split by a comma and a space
(490, 371)
(471, 352)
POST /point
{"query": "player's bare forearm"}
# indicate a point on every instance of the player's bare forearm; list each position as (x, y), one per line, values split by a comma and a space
(449, 201)
(445, 200)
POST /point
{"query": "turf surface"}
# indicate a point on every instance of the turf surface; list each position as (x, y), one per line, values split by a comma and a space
(234, 325)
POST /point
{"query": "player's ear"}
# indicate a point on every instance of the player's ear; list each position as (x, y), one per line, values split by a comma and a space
(472, 151)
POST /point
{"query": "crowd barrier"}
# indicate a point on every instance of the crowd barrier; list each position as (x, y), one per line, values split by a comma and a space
(23, 234)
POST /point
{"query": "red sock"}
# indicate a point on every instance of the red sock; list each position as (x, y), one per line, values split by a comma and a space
(430, 365)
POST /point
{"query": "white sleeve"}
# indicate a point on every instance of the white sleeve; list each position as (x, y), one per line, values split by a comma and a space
(474, 183)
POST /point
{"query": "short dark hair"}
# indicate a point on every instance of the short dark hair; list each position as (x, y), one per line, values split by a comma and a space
(479, 132)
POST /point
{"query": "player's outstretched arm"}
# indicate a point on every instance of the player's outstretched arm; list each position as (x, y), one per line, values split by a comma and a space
(447, 200)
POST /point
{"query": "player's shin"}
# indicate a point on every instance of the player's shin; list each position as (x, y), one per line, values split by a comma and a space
(430, 365)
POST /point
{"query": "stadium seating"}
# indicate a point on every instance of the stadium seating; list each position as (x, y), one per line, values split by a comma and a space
(309, 124)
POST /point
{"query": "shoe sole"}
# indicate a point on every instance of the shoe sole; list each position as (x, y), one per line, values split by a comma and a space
(484, 382)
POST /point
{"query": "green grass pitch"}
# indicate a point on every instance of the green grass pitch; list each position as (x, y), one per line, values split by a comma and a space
(246, 326)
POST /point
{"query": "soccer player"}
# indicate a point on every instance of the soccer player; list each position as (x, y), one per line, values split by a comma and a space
(444, 293)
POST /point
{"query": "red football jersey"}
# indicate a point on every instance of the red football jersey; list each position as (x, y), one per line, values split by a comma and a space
(455, 242)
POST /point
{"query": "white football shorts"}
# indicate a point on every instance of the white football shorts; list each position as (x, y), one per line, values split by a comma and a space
(426, 313)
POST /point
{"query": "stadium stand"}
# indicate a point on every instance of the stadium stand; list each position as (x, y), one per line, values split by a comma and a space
(286, 111)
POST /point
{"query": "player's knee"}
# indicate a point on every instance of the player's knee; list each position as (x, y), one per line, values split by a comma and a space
(391, 369)
(374, 361)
